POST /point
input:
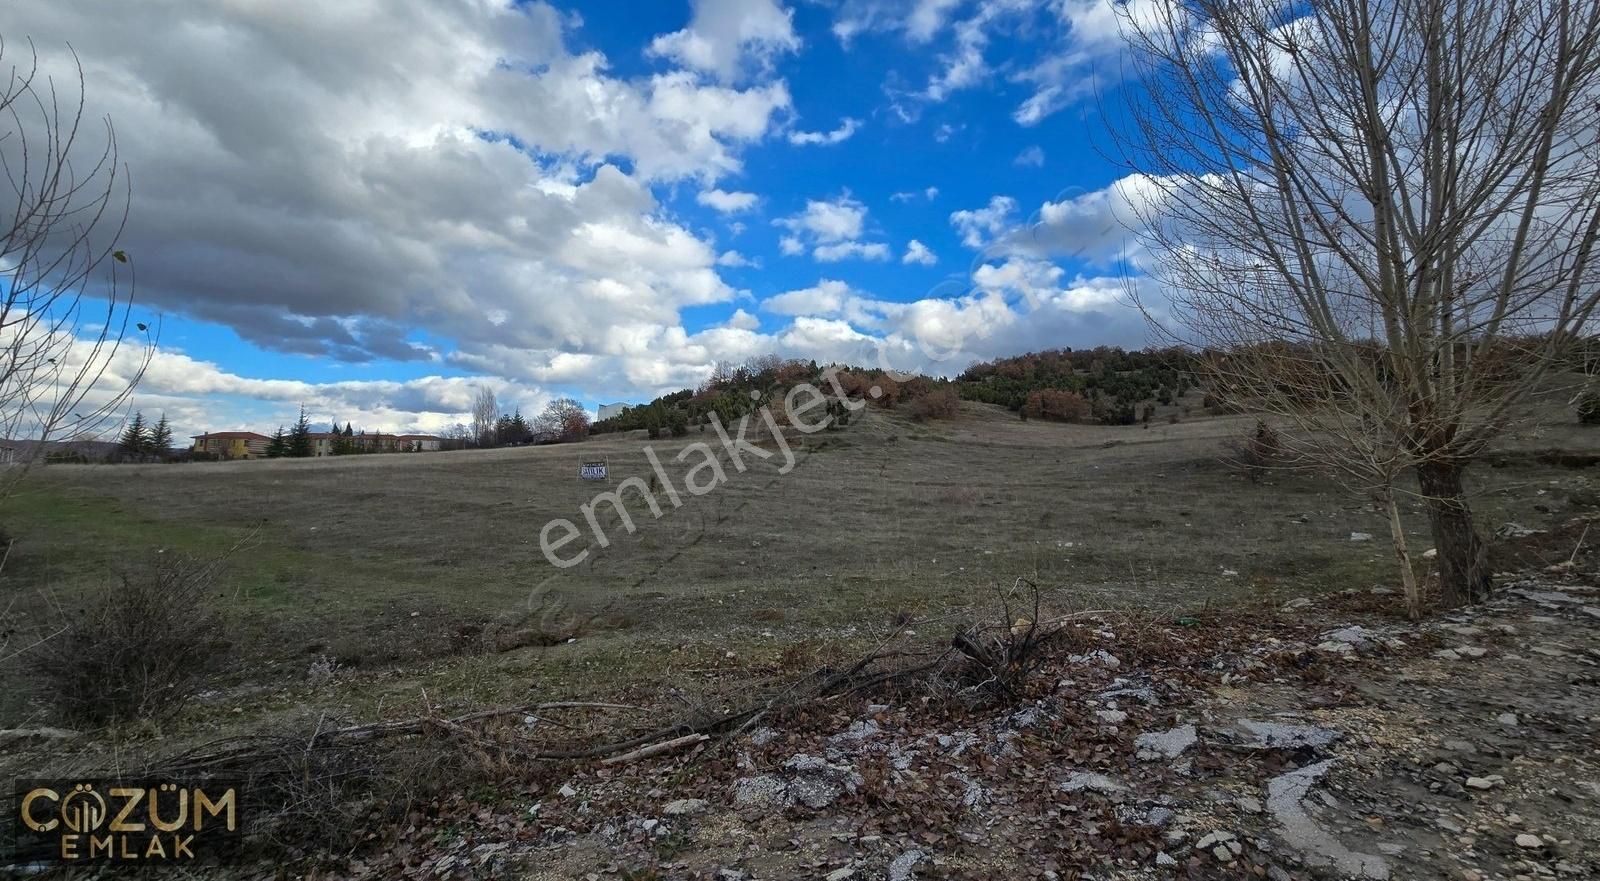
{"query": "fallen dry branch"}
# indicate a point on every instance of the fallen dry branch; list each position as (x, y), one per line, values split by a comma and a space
(658, 749)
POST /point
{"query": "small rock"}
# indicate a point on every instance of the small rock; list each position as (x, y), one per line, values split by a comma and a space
(1098, 656)
(856, 733)
(1447, 655)
(1485, 783)
(1277, 735)
(841, 874)
(1295, 604)
(1471, 651)
(1430, 554)
(1165, 744)
(904, 866)
(1529, 841)
(1509, 720)
(763, 736)
(1249, 805)
(1078, 781)
(764, 791)
(1163, 860)
(1356, 636)
(566, 791)
(1111, 717)
(1361, 536)
(684, 807)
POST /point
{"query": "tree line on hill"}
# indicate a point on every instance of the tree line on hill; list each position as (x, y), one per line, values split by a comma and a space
(561, 421)
(1105, 385)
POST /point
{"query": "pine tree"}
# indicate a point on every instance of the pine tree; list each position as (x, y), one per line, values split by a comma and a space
(161, 438)
(279, 446)
(136, 439)
(300, 437)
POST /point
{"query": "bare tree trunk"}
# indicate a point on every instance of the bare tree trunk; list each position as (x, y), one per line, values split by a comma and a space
(1408, 576)
(1463, 557)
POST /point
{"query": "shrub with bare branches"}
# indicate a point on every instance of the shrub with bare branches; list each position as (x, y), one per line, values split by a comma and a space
(137, 649)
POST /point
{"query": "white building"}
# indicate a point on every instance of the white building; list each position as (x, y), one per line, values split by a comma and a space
(609, 410)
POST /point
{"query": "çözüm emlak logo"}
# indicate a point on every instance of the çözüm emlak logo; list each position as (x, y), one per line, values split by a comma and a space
(124, 821)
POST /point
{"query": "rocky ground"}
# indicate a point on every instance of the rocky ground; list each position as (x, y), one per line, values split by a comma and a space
(1323, 741)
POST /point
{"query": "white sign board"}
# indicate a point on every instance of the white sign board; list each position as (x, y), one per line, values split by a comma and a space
(592, 470)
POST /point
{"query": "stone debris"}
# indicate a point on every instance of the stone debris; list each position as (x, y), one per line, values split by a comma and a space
(1140, 693)
(1546, 597)
(684, 807)
(1355, 636)
(1285, 796)
(1277, 735)
(763, 736)
(1407, 802)
(807, 781)
(1028, 717)
(1224, 846)
(1098, 656)
(1078, 781)
(1165, 744)
(856, 733)
(1361, 536)
(904, 866)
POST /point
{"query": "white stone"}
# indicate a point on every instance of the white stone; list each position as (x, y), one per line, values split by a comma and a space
(1165, 744)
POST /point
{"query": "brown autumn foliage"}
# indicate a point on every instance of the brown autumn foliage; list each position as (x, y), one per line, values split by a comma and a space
(1061, 406)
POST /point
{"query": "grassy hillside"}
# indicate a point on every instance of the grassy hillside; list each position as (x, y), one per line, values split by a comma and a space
(413, 572)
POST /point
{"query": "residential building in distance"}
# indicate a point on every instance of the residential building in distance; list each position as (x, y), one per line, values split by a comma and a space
(232, 444)
(249, 445)
(609, 410)
(324, 443)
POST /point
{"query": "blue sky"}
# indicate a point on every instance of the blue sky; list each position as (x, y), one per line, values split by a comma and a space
(373, 212)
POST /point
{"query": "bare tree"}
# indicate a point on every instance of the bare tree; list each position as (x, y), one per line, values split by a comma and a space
(485, 410)
(564, 418)
(1380, 216)
(65, 287)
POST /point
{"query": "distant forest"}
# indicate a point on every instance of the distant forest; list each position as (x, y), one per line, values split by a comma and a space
(1106, 385)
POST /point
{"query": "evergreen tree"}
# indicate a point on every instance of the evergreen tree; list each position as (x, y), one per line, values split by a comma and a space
(136, 439)
(279, 446)
(300, 437)
(161, 437)
(520, 427)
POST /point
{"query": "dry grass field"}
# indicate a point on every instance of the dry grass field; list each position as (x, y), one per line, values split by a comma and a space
(422, 573)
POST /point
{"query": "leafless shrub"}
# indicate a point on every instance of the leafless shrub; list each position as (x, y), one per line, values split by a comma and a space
(139, 648)
(1006, 650)
(1257, 452)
